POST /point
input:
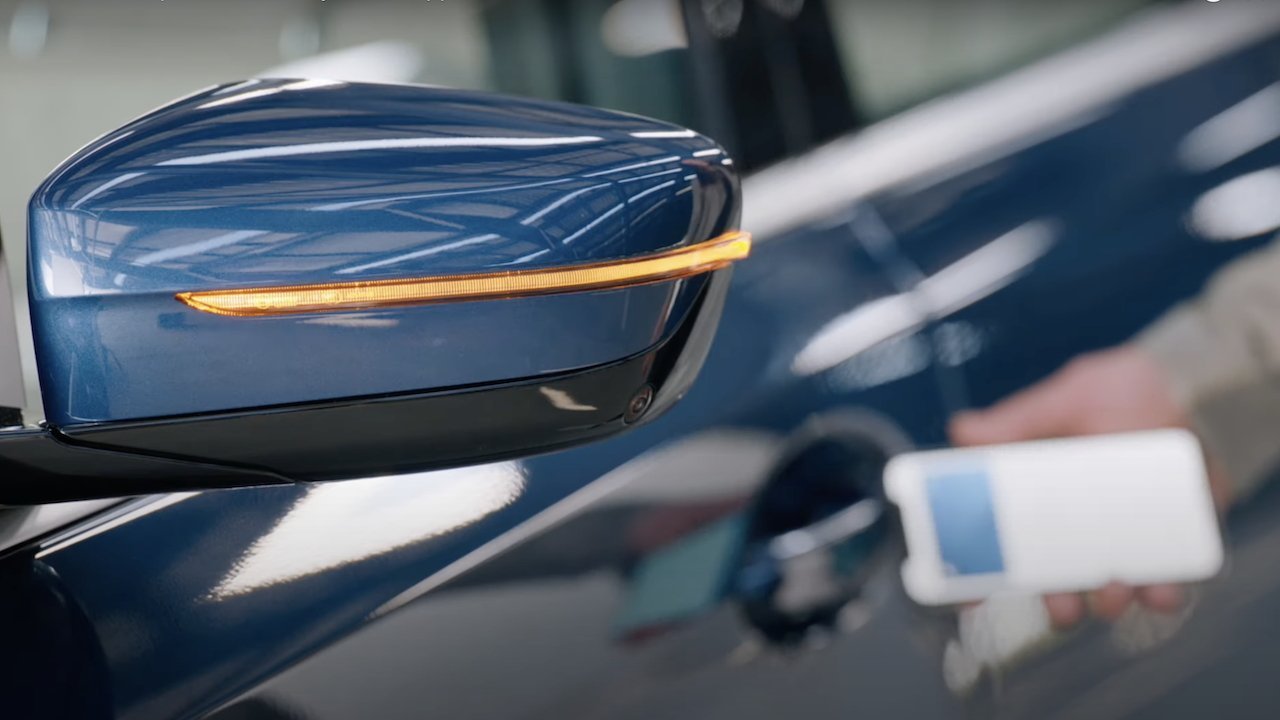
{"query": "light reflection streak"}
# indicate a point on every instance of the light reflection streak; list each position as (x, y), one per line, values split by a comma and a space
(962, 283)
(263, 92)
(636, 166)
(593, 223)
(654, 207)
(353, 321)
(300, 85)
(196, 248)
(527, 258)
(650, 175)
(339, 523)
(660, 134)
(651, 190)
(237, 87)
(425, 252)
(1234, 132)
(558, 203)
(563, 400)
(124, 514)
(729, 463)
(901, 356)
(339, 146)
(345, 205)
(313, 83)
(857, 331)
(105, 187)
(892, 360)
(1241, 208)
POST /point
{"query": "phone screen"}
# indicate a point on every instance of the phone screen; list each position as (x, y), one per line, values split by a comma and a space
(964, 521)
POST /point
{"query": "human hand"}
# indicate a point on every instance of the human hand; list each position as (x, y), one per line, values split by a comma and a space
(1117, 390)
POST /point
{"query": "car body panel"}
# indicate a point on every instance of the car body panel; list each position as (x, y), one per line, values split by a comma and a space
(1122, 242)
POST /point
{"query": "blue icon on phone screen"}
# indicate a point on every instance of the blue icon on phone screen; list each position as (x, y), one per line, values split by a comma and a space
(965, 522)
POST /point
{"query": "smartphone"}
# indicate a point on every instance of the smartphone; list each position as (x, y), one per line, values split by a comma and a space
(1054, 516)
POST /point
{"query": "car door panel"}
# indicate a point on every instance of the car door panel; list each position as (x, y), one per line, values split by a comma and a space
(1122, 196)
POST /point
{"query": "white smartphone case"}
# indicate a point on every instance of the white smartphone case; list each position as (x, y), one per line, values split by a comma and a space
(1054, 515)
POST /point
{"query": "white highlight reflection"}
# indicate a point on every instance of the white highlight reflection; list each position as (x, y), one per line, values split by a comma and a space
(499, 189)
(650, 191)
(343, 522)
(321, 148)
(353, 321)
(635, 166)
(105, 187)
(433, 250)
(1244, 207)
(1234, 132)
(299, 85)
(959, 284)
(664, 134)
(526, 258)
(543, 212)
(563, 400)
(195, 248)
(881, 364)
(604, 216)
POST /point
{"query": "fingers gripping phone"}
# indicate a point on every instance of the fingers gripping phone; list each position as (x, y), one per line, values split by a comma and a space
(1054, 516)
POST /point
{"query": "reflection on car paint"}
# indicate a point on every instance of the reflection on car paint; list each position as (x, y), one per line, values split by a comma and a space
(344, 522)
(1242, 208)
(987, 269)
(1232, 133)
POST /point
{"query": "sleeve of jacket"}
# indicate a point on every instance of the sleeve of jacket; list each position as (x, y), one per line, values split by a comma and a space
(1222, 353)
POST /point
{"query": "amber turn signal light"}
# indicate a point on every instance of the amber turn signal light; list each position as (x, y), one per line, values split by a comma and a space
(610, 275)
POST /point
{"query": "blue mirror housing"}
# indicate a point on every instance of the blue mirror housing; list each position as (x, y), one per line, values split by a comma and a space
(223, 279)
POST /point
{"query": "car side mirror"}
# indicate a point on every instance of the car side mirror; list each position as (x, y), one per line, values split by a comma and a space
(283, 280)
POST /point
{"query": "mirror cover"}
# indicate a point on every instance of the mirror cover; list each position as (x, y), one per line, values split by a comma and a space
(283, 182)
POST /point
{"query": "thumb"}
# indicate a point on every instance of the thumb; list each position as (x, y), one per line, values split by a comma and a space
(1047, 409)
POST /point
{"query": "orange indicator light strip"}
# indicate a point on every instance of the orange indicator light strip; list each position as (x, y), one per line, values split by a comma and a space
(611, 275)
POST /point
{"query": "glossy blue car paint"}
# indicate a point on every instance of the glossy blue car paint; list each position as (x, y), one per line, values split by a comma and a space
(279, 182)
(494, 592)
